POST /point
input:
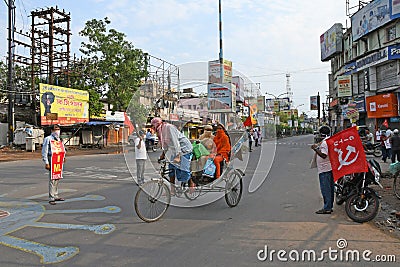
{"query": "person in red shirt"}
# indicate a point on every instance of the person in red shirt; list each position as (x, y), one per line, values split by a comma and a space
(223, 145)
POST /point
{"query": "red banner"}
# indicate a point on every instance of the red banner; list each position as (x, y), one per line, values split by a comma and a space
(57, 159)
(346, 153)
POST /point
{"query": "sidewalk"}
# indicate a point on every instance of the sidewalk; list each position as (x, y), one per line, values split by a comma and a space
(390, 204)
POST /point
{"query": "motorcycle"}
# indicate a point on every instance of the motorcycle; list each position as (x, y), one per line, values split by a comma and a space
(362, 202)
(374, 149)
(151, 146)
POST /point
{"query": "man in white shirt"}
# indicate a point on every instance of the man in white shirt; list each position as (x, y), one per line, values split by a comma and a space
(369, 139)
(324, 171)
(378, 135)
(141, 156)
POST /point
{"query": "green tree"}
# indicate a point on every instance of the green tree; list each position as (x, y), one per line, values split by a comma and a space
(82, 78)
(3, 81)
(114, 67)
(137, 112)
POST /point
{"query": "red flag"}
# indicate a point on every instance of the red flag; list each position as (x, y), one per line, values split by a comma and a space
(385, 123)
(346, 153)
(247, 122)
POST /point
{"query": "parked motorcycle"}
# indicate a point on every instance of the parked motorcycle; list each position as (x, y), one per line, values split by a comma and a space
(374, 149)
(362, 202)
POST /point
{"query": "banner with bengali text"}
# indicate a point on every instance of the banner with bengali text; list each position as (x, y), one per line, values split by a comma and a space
(70, 105)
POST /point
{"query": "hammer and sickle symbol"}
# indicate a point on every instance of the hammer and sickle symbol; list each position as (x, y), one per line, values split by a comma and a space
(344, 162)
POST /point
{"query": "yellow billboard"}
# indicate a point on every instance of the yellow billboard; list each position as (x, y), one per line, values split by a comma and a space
(61, 105)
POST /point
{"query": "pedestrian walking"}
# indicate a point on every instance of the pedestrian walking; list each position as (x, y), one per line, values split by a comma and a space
(324, 171)
(140, 156)
(395, 145)
(251, 138)
(386, 147)
(53, 155)
(255, 135)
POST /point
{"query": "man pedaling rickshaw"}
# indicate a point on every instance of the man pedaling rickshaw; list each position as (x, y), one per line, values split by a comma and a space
(178, 150)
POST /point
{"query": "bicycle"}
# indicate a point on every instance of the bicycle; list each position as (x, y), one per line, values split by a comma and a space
(154, 197)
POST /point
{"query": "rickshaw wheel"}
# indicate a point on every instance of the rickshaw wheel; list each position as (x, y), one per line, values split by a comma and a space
(152, 200)
(194, 194)
(233, 189)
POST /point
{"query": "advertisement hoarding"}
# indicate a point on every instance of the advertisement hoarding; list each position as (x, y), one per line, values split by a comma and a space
(314, 102)
(239, 84)
(369, 18)
(395, 9)
(344, 85)
(261, 103)
(382, 106)
(70, 105)
(277, 104)
(221, 98)
(331, 42)
(214, 71)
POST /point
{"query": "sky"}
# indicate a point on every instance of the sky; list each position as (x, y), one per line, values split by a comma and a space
(264, 39)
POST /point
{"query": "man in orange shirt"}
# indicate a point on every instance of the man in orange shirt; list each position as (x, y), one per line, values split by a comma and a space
(223, 145)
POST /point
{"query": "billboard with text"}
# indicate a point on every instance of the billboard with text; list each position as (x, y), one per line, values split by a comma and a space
(70, 105)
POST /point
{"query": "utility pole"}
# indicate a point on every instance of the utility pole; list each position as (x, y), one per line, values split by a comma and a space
(11, 104)
(221, 55)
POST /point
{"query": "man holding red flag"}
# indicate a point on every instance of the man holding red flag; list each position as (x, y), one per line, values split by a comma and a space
(346, 153)
(324, 171)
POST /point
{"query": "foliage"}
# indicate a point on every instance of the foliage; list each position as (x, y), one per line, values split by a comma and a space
(3, 81)
(113, 66)
(137, 111)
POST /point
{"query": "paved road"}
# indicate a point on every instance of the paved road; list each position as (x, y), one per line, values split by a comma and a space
(97, 226)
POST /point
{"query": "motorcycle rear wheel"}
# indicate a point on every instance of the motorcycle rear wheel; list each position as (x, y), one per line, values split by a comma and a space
(362, 209)
(377, 152)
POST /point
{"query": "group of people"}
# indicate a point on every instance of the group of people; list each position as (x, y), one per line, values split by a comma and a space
(178, 150)
(254, 135)
(389, 141)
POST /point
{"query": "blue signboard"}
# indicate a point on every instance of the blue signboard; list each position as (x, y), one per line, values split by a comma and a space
(394, 52)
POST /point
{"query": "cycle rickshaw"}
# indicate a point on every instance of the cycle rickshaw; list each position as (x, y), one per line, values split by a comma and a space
(154, 196)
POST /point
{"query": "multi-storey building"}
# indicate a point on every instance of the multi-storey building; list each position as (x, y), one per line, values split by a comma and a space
(364, 83)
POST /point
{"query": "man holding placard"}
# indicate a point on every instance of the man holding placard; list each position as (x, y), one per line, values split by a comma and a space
(53, 155)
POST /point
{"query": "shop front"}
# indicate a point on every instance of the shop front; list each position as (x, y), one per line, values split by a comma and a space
(383, 107)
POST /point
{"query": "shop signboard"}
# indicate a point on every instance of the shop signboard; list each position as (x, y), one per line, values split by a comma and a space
(360, 103)
(344, 85)
(382, 106)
